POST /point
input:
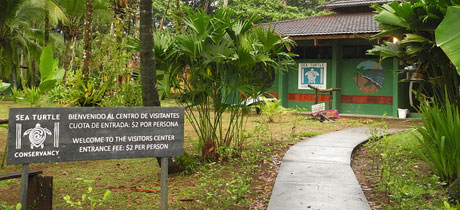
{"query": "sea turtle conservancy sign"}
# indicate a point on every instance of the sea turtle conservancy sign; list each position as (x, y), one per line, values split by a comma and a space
(73, 134)
(312, 74)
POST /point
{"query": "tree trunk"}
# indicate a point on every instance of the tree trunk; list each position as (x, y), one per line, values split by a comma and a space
(148, 69)
(66, 57)
(206, 6)
(163, 16)
(33, 69)
(73, 53)
(13, 74)
(178, 16)
(47, 26)
(87, 40)
(225, 4)
(33, 72)
(285, 3)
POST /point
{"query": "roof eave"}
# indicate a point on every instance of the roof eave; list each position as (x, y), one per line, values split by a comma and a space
(333, 36)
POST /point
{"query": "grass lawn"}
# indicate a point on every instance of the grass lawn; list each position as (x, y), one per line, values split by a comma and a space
(239, 183)
(393, 176)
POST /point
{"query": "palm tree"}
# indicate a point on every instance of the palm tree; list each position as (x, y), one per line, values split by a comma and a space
(224, 57)
(415, 24)
(74, 11)
(53, 14)
(87, 39)
(16, 34)
(148, 68)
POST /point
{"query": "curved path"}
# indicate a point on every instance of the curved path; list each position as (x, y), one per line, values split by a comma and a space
(316, 174)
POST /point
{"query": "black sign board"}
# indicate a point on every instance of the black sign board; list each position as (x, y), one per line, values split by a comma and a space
(72, 134)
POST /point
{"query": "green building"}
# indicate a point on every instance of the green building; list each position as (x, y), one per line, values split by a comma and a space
(332, 54)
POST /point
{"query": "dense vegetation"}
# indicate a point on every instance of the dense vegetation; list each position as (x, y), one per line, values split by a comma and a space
(429, 44)
(394, 176)
(98, 53)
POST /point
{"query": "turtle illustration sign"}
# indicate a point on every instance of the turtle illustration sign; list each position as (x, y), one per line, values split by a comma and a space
(72, 134)
(312, 74)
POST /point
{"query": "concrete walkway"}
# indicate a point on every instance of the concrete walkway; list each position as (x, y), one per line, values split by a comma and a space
(316, 174)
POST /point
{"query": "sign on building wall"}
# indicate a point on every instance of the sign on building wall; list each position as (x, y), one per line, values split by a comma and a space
(369, 76)
(73, 134)
(312, 74)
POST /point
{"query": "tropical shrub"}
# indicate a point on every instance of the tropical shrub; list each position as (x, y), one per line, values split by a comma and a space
(441, 138)
(221, 58)
(272, 109)
(454, 192)
(4, 86)
(86, 94)
(60, 94)
(166, 66)
(32, 96)
(129, 94)
(50, 73)
(415, 23)
(429, 41)
(113, 80)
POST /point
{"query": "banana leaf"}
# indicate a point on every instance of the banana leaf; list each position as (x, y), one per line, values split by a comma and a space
(448, 35)
(4, 86)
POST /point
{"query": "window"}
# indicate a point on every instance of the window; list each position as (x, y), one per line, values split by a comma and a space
(356, 51)
(319, 52)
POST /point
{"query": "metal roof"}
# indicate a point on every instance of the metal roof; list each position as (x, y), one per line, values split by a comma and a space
(350, 3)
(352, 23)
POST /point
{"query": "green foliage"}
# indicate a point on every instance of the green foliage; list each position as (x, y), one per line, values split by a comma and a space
(59, 93)
(114, 84)
(448, 38)
(167, 67)
(88, 200)
(386, 50)
(187, 163)
(447, 206)
(50, 76)
(3, 164)
(309, 134)
(272, 109)
(50, 73)
(16, 94)
(86, 95)
(220, 56)
(18, 206)
(454, 192)
(406, 187)
(17, 35)
(129, 94)
(267, 10)
(378, 129)
(260, 130)
(222, 192)
(440, 138)
(114, 72)
(33, 96)
(415, 22)
(4, 86)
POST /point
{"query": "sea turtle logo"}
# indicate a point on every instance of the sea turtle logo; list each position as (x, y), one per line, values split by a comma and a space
(37, 136)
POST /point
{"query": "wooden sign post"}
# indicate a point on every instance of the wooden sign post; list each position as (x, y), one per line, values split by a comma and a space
(73, 134)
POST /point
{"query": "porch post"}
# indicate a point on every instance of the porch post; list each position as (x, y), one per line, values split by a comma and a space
(282, 88)
(336, 73)
(395, 87)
